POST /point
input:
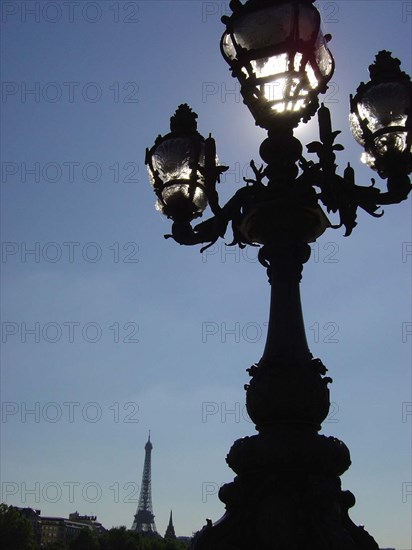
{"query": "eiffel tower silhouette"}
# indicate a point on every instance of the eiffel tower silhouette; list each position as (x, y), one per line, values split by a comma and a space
(144, 519)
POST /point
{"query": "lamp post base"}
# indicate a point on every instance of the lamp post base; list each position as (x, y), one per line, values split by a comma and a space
(287, 493)
(285, 511)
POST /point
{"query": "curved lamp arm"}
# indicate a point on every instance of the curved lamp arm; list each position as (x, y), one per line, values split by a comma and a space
(342, 194)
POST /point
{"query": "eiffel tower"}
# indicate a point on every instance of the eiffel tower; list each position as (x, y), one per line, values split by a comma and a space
(144, 519)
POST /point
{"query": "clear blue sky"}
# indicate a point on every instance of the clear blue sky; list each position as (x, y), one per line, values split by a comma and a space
(133, 332)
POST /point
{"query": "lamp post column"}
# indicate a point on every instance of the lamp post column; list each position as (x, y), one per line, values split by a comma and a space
(286, 336)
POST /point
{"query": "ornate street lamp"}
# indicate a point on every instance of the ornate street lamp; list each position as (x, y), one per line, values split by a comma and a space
(287, 493)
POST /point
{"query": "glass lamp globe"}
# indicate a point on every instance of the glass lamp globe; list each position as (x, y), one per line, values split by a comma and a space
(277, 51)
(175, 165)
(380, 117)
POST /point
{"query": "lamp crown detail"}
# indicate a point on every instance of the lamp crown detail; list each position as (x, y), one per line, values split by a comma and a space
(184, 120)
(386, 68)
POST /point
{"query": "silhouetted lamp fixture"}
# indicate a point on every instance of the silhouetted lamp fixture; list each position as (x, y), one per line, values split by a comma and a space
(277, 51)
(381, 117)
(180, 166)
(287, 492)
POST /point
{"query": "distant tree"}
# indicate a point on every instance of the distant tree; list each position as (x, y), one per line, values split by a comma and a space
(174, 545)
(55, 546)
(171, 545)
(157, 543)
(119, 538)
(16, 532)
(85, 540)
(152, 543)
